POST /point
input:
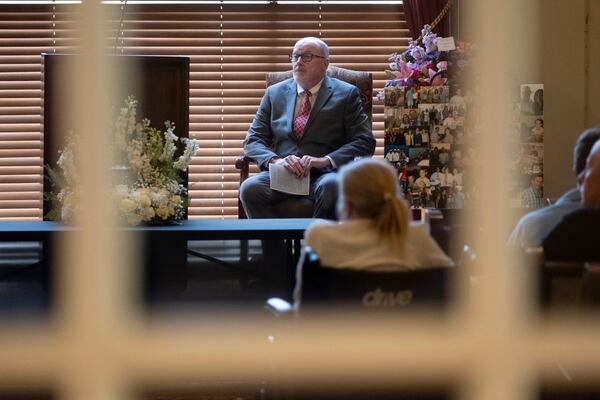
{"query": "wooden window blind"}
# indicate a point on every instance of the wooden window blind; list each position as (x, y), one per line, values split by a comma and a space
(25, 32)
(227, 79)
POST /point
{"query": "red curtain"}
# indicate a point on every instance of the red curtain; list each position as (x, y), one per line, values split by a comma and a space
(421, 12)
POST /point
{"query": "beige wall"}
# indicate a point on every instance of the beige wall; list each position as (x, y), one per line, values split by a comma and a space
(593, 101)
(569, 96)
(563, 53)
(569, 68)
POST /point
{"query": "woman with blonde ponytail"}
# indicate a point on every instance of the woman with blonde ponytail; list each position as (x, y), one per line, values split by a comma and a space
(375, 231)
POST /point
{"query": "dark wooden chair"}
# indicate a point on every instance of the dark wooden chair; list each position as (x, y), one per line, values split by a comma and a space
(302, 207)
(590, 285)
(450, 228)
(564, 284)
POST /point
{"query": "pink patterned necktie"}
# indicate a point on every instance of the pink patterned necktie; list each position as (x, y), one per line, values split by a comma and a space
(302, 117)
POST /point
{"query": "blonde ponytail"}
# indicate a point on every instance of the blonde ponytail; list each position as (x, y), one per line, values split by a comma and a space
(371, 187)
(392, 222)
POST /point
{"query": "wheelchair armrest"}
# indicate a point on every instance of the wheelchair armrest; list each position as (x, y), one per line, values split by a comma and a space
(279, 307)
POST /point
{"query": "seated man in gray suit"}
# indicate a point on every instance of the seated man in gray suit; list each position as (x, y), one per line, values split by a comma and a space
(312, 124)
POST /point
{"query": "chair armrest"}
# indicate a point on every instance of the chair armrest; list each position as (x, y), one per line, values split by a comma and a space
(279, 307)
(242, 163)
(591, 284)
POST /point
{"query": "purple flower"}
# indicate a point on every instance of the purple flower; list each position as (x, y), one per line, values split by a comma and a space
(422, 64)
(426, 29)
(430, 42)
(434, 56)
(418, 53)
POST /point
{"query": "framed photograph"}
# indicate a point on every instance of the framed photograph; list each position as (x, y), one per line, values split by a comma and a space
(442, 134)
(425, 95)
(389, 111)
(532, 99)
(395, 154)
(394, 97)
(413, 116)
(434, 94)
(437, 113)
(531, 158)
(418, 188)
(411, 97)
(457, 95)
(528, 159)
(441, 155)
(416, 136)
(531, 129)
(395, 137)
(444, 92)
(456, 117)
(441, 146)
(418, 157)
(531, 192)
(392, 125)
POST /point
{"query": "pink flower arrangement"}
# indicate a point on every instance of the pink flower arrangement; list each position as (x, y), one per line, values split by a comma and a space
(417, 65)
(425, 65)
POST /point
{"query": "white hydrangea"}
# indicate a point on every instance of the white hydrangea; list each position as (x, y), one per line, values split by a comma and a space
(151, 191)
(191, 147)
(169, 147)
(70, 205)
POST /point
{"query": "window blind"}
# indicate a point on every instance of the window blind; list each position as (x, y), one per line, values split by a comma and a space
(228, 63)
(25, 32)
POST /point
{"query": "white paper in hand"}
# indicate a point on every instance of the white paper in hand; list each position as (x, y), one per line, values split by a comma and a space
(284, 181)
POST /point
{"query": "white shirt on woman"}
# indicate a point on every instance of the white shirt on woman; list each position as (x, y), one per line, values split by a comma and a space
(355, 244)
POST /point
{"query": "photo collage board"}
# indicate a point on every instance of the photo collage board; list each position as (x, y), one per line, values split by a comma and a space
(427, 141)
(528, 138)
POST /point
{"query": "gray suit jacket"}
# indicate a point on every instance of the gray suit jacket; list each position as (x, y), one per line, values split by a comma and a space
(337, 126)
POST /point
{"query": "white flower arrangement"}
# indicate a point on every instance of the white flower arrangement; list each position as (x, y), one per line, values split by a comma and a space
(66, 200)
(152, 192)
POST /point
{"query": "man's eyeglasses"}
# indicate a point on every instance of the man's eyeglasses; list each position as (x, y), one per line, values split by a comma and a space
(306, 57)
